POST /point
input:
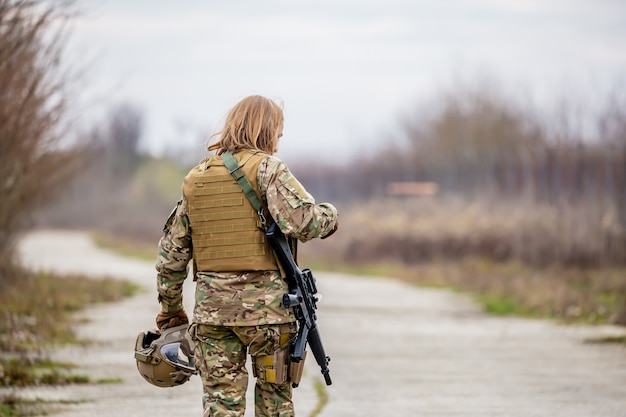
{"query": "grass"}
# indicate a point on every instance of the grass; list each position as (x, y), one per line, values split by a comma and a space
(503, 287)
(23, 371)
(608, 339)
(515, 257)
(37, 315)
(37, 309)
(109, 381)
(14, 406)
(126, 246)
(498, 305)
(322, 397)
(571, 295)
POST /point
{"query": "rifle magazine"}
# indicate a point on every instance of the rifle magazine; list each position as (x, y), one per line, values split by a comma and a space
(295, 371)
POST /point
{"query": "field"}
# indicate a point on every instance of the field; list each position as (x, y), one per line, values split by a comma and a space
(515, 258)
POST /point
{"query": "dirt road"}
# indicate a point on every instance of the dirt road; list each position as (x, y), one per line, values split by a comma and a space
(396, 350)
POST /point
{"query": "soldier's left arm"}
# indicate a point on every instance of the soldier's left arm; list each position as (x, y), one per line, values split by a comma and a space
(291, 206)
(175, 252)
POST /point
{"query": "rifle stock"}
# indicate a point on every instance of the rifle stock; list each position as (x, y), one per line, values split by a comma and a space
(302, 298)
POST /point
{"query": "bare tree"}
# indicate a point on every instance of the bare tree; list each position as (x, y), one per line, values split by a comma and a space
(125, 126)
(32, 103)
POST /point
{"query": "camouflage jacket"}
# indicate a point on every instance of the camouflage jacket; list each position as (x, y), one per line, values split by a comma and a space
(245, 298)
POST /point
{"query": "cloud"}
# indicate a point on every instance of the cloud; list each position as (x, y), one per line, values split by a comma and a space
(347, 63)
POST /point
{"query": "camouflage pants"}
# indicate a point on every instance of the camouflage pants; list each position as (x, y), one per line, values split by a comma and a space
(220, 358)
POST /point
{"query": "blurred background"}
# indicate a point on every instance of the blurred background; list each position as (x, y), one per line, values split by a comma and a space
(478, 145)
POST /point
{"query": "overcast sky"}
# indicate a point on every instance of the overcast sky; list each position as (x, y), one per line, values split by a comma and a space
(345, 70)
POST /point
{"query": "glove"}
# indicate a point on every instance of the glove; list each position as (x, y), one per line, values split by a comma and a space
(168, 320)
(332, 231)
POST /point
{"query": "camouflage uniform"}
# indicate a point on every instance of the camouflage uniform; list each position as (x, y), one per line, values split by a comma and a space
(239, 311)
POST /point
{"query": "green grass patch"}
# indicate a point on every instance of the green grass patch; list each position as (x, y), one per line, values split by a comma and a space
(620, 340)
(12, 405)
(109, 381)
(322, 398)
(500, 306)
(22, 371)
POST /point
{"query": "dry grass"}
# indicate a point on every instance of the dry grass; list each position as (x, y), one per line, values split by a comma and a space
(417, 230)
(517, 259)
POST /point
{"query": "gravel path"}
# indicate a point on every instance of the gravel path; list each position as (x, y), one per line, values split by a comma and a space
(396, 350)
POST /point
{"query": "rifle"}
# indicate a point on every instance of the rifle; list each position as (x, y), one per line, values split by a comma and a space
(303, 298)
(302, 295)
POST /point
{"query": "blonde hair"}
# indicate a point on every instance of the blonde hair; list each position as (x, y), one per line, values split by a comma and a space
(254, 123)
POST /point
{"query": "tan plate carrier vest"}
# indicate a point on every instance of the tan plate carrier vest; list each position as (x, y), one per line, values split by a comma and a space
(226, 231)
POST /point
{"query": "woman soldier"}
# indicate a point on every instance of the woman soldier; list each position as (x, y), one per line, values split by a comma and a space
(239, 287)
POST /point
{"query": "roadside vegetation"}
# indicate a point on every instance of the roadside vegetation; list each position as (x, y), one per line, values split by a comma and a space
(38, 313)
(450, 244)
(37, 160)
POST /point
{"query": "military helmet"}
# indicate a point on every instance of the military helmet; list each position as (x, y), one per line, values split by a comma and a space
(165, 359)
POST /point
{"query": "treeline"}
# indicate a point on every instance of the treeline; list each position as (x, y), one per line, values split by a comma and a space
(479, 147)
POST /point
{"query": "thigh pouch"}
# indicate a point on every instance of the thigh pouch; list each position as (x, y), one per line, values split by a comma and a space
(272, 368)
